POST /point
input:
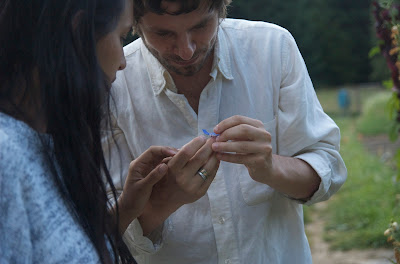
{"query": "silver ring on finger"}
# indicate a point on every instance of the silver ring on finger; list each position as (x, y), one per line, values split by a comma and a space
(203, 174)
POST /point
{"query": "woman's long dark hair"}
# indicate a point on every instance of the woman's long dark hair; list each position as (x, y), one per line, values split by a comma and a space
(48, 63)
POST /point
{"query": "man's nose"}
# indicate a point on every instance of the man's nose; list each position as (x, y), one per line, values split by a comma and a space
(185, 47)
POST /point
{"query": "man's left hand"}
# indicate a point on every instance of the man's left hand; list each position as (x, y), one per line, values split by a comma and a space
(244, 140)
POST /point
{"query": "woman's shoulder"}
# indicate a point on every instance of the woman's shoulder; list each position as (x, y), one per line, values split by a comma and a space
(34, 214)
(20, 147)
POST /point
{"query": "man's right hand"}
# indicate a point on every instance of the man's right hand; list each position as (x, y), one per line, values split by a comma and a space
(182, 184)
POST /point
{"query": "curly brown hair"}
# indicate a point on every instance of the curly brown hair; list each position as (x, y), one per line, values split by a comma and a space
(141, 7)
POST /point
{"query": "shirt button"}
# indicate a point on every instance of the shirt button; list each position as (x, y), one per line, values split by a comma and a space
(222, 221)
(228, 261)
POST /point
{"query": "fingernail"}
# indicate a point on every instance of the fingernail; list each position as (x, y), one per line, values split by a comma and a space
(172, 151)
(162, 168)
(204, 138)
(215, 146)
(216, 129)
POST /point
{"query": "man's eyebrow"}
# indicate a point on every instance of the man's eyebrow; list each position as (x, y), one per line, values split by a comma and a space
(158, 29)
(161, 31)
(202, 22)
(205, 20)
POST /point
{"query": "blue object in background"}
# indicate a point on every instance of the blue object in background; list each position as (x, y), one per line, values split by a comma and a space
(343, 98)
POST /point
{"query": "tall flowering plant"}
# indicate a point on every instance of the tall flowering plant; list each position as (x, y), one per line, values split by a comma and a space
(393, 236)
(387, 25)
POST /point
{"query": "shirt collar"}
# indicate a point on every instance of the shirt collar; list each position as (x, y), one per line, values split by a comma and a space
(222, 59)
(160, 78)
(155, 70)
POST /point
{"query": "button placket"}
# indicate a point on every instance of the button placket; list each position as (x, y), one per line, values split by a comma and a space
(181, 102)
(209, 105)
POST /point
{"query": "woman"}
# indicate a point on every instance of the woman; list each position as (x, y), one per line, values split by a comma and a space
(57, 61)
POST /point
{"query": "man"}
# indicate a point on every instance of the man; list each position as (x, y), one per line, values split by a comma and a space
(191, 70)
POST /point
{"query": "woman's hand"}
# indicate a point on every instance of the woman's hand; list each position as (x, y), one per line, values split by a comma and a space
(144, 172)
(183, 184)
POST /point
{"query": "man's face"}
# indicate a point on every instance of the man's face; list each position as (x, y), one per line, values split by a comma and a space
(181, 43)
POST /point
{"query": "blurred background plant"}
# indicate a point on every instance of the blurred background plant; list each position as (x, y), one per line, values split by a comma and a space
(387, 25)
(393, 235)
(387, 18)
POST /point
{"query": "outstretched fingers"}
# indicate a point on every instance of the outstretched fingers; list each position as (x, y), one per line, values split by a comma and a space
(149, 159)
(186, 153)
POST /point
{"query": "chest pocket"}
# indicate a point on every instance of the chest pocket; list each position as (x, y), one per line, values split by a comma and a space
(254, 192)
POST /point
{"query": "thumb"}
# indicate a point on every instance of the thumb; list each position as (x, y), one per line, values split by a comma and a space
(155, 175)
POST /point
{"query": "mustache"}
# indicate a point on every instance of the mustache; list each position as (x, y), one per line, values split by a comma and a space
(195, 56)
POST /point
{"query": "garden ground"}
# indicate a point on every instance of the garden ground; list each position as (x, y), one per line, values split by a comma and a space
(318, 219)
(322, 254)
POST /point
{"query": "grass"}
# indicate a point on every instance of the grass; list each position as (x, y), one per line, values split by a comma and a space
(360, 212)
(375, 116)
(363, 208)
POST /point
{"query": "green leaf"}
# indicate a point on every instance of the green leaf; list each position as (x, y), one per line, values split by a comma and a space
(394, 132)
(388, 84)
(393, 107)
(374, 51)
(397, 159)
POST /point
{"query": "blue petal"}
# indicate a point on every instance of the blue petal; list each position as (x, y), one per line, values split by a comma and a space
(211, 134)
(205, 132)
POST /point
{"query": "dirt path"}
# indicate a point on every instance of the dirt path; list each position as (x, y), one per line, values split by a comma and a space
(321, 253)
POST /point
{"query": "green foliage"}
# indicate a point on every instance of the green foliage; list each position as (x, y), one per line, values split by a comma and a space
(364, 206)
(306, 217)
(374, 51)
(360, 212)
(393, 234)
(375, 117)
(388, 25)
(394, 109)
(334, 36)
(397, 159)
(388, 84)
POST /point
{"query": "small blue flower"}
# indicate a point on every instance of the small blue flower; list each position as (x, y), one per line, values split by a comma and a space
(210, 134)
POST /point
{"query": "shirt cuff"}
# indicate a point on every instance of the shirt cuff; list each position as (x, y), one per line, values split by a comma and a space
(324, 171)
(138, 244)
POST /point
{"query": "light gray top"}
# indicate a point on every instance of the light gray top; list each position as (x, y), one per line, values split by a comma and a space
(36, 225)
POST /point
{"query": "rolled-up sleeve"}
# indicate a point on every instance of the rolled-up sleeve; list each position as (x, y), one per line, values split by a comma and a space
(304, 130)
(139, 244)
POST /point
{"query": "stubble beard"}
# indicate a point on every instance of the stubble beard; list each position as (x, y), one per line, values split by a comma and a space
(184, 70)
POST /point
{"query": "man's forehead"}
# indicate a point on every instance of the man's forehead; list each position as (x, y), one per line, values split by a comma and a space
(171, 7)
(180, 7)
(156, 21)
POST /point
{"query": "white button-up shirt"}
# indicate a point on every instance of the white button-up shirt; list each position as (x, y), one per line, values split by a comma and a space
(257, 72)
